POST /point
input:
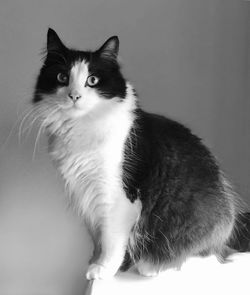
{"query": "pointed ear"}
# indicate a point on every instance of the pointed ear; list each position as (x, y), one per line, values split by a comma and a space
(54, 44)
(110, 48)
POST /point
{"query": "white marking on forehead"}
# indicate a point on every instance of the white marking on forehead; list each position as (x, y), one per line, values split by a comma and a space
(79, 73)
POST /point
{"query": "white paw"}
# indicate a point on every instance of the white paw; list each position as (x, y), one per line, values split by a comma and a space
(146, 269)
(99, 272)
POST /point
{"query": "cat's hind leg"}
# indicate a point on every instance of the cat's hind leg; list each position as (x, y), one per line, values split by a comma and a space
(147, 268)
(219, 239)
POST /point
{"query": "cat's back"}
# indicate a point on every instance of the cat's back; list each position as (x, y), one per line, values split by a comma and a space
(166, 139)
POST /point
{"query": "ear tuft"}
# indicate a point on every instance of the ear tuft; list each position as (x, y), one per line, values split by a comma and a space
(53, 41)
(110, 48)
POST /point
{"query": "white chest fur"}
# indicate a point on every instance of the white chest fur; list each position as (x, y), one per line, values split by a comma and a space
(89, 155)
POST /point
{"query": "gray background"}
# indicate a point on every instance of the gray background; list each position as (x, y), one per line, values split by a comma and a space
(188, 60)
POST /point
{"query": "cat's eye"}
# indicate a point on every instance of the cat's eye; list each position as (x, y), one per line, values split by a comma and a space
(92, 80)
(62, 78)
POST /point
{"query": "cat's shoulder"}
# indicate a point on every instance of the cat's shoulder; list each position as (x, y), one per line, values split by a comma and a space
(159, 125)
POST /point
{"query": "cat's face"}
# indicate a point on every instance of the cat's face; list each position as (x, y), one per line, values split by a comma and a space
(79, 83)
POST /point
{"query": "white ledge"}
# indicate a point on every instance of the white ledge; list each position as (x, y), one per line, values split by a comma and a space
(199, 276)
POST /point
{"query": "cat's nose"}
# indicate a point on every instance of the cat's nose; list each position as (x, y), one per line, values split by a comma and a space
(74, 96)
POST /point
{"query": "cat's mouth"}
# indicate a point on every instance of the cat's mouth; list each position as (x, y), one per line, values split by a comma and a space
(70, 106)
(72, 110)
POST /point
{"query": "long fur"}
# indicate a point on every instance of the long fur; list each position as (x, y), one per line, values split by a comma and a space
(151, 193)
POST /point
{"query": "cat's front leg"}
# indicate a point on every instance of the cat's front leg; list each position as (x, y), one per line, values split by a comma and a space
(115, 232)
(113, 250)
(95, 235)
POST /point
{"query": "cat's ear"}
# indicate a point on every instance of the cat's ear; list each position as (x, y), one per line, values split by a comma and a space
(110, 48)
(54, 43)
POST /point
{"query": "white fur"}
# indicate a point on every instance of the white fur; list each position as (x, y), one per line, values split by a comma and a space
(87, 141)
(89, 154)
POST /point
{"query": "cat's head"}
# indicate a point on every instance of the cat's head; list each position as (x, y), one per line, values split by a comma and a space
(78, 83)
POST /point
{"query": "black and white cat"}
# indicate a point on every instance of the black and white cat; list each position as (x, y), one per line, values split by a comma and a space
(151, 193)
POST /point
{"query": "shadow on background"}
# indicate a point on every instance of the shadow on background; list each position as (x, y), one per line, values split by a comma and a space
(44, 247)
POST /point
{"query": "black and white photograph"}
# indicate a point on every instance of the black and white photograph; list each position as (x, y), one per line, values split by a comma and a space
(124, 147)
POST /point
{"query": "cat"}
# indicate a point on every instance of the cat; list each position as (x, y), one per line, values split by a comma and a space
(150, 191)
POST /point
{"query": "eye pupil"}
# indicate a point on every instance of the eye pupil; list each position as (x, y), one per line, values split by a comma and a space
(92, 80)
(62, 78)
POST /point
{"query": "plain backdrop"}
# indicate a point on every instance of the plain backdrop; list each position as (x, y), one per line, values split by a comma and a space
(187, 59)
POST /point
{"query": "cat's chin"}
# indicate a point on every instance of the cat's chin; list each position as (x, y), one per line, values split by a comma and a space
(75, 112)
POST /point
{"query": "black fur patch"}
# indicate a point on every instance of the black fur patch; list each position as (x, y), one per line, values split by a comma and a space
(60, 59)
(179, 185)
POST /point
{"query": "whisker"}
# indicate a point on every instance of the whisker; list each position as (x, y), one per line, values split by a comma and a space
(37, 138)
(6, 141)
(36, 112)
(39, 115)
(29, 113)
(41, 129)
(14, 126)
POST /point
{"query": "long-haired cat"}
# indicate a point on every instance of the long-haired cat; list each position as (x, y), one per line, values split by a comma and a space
(151, 193)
